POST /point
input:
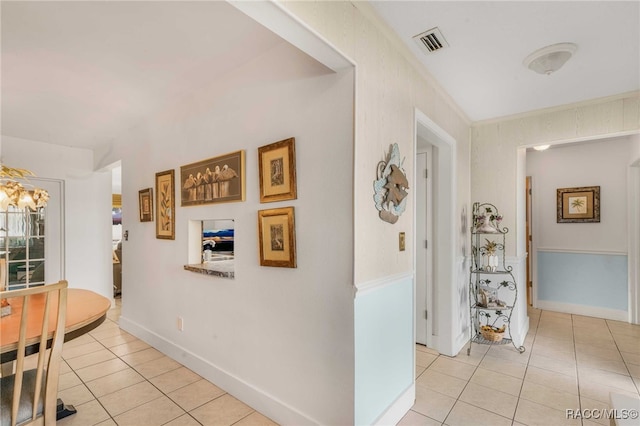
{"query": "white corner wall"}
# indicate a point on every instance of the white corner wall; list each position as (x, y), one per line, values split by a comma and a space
(390, 86)
(582, 267)
(87, 205)
(279, 339)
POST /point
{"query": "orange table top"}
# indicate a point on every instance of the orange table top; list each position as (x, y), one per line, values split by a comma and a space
(85, 311)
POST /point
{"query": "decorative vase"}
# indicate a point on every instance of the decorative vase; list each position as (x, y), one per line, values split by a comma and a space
(485, 226)
(493, 263)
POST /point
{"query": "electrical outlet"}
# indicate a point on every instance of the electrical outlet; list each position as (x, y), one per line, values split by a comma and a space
(180, 323)
(401, 241)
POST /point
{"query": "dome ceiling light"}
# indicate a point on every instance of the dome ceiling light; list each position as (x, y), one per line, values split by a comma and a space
(551, 58)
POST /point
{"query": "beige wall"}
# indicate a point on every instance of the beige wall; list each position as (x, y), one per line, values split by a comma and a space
(494, 148)
(389, 86)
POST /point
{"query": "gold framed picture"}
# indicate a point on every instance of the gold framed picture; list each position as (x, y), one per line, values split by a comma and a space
(277, 170)
(214, 180)
(576, 205)
(145, 201)
(276, 232)
(165, 205)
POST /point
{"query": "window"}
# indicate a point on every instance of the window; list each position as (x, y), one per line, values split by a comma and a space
(22, 245)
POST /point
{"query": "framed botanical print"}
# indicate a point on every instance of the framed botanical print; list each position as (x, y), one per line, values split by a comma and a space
(145, 201)
(214, 180)
(276, 234)
(165, 205)
(277, 170)
(575, 205)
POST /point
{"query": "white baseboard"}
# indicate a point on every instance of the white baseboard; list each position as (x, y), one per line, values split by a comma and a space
(399, 408)
(245, 392)
(588, 311)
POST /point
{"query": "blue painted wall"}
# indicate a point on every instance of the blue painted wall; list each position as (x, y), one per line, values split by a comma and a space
(384, 348)
(598, 280)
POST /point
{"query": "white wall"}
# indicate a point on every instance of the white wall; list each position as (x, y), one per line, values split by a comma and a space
(390, 86)
(582, 267)
(603, 163)
(87, 204)
(279, 339)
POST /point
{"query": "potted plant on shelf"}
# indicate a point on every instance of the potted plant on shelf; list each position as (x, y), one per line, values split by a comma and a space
(490, 248)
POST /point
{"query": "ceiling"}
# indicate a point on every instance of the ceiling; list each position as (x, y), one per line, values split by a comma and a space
(81, 73)
(482, 69)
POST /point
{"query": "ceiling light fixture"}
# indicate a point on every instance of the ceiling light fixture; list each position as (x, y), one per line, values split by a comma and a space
(541, 147)
(14, 193)
(551, 58)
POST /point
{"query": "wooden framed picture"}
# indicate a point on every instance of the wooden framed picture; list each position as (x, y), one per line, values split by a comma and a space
(215, 180)
(277, 170)
(145, 201)
(575, 205)
(276, 231)
(165, 205)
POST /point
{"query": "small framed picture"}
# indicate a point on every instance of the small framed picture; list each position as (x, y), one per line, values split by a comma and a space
(145, 200)
(165, 205)
(575, 205)
(276, 234)
(277, 170)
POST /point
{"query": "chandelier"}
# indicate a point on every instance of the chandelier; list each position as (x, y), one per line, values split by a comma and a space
(20, 195)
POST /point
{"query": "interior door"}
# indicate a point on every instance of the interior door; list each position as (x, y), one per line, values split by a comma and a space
(529, 241)
(423, 250)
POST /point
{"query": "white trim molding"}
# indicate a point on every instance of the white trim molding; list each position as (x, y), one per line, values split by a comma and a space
(579, 251)
(587, 311)
(399, 408)
(256, 398)
(372, 285)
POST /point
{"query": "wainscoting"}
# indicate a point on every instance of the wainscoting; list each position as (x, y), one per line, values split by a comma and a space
(585, 283)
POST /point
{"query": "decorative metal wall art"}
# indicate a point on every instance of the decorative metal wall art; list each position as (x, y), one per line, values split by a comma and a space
(390, 187)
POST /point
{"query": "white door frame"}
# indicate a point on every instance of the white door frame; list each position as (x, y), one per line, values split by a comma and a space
(444, 323)
(634, 241)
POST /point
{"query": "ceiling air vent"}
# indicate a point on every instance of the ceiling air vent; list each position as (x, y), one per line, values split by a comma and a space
(431, 40)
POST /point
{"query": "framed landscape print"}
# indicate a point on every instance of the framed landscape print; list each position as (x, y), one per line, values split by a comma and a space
(165, 205)
(145, 201)
(215, 180)
(276, 231)
(277, 170)
(575, 205)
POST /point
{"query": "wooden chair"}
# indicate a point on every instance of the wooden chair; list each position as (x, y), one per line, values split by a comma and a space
(29, 397)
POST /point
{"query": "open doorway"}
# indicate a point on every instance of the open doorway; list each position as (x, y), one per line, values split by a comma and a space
(116, 228)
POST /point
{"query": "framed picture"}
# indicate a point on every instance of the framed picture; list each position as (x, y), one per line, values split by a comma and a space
(215, 180)
(145, 201)
(276, 231)
(165, 205)
(277, 170)
(578, 204)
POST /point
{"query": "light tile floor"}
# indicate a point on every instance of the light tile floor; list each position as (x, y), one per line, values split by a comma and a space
(570, 362)
(113, 378)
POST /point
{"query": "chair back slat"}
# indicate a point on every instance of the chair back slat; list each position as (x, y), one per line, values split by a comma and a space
(30, 319)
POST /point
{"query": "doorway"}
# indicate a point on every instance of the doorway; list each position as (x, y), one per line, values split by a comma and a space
(446, 291)
(529, 241)
(424, 225)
